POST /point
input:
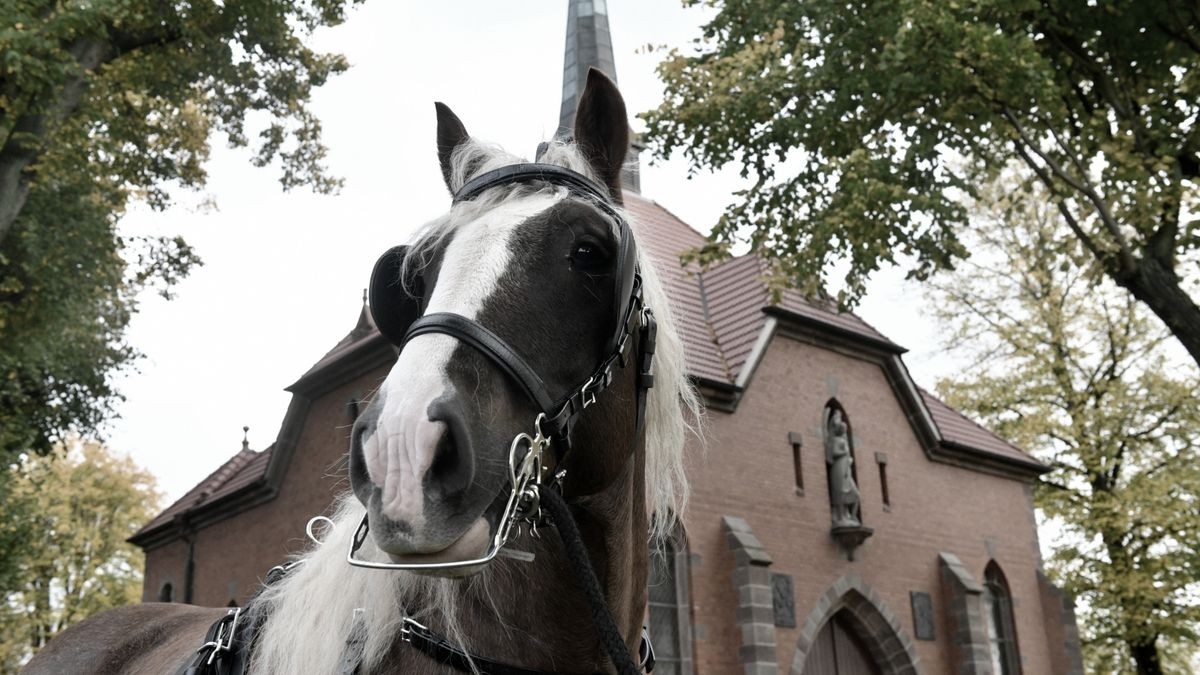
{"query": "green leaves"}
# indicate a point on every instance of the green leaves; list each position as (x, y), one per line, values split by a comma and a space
(113, 100)
(63, 556)
(866, 126)
(1073, 370)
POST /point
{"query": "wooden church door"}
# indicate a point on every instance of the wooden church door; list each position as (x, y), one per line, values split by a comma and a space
(838, 650)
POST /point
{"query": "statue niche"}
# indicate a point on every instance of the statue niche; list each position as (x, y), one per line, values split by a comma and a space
(843, 491)
(844, 499)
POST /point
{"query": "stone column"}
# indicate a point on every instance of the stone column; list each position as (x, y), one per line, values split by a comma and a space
(755, 613)
(1058, 608)
(963, 596)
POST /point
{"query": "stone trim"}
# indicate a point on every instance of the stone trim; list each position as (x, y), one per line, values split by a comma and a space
(756, 607)
(880, 629)
(963, 597)
(1058, 608)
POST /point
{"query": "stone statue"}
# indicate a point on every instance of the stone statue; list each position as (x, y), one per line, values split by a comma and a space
(843, 492)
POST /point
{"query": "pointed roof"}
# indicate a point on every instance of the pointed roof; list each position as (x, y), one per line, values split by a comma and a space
(238, 472)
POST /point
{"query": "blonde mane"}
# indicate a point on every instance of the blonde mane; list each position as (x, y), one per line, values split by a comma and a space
(310, 612)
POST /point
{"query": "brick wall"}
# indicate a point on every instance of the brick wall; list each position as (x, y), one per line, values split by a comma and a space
(747, 472)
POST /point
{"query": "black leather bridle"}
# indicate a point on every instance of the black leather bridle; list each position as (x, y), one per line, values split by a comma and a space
(396, 303)
(396, 306)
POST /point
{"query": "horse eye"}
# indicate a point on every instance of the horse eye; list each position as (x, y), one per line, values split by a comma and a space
(587, 257)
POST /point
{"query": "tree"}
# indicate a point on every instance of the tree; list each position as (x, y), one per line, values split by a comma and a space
(1073, 369)
(103, 102)
(73, 508)
(863, 125)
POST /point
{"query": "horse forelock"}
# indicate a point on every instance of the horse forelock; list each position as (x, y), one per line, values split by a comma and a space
(311, 611)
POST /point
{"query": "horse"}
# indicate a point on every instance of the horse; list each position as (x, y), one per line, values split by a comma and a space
(441, 555)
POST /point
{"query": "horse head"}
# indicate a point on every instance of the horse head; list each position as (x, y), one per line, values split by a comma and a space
(541, 268)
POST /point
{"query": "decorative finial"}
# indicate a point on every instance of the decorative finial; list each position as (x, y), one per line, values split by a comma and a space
(364, 296)
(245, 438)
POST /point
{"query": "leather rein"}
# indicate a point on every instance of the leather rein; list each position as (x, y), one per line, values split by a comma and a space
(535, 495)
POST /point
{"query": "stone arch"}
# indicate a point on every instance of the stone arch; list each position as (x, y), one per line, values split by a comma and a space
(881, 631)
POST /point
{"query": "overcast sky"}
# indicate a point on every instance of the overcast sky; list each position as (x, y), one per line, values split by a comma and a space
(284, 273)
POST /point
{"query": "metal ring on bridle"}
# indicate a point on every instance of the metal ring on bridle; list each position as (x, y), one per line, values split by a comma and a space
(308, 528)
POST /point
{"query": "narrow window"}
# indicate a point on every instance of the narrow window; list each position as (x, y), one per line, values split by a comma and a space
(881, 460)
(166, 593)
(669, 609)
(1002, 632)
(797, 444)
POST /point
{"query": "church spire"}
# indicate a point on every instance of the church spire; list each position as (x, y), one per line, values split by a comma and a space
(589, 45)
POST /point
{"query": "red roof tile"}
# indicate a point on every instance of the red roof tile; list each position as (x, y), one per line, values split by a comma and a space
(719, 311)
(237, 472)
(961, 430)
(720, 316)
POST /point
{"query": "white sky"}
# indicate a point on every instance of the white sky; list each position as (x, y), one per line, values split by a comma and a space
(284, 273)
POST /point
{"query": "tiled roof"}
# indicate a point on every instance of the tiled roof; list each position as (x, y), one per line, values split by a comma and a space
(244, 468)
(719, 310)
(959, 429)
(720, 316)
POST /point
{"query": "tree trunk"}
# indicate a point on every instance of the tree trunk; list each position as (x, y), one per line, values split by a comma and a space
(21, 150)
(1146, 658)
(1157, 286)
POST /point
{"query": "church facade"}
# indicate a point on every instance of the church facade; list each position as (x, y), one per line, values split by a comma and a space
(842, 520)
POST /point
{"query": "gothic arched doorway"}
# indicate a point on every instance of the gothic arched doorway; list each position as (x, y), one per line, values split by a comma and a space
(851, 620)
(838, 650)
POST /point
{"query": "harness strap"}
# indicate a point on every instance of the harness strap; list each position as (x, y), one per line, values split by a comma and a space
(562, 414)
(490, 345)
(227, 645)
(446, 653)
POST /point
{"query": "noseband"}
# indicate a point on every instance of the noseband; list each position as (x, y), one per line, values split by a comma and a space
(396, 306)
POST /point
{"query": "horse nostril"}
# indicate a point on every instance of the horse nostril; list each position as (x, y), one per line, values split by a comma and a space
(453, 467)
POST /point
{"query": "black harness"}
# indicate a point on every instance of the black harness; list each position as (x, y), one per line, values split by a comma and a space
(396, 306)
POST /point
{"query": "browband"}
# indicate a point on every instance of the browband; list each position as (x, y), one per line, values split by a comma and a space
(574, 181)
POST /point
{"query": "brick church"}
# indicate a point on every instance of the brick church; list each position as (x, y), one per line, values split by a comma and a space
(843, 521)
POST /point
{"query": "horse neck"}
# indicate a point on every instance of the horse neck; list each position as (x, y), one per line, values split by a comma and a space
(533, 614)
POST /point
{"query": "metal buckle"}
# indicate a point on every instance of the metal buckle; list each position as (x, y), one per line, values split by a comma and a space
(589, 397)
(223, 641)
(406, 628)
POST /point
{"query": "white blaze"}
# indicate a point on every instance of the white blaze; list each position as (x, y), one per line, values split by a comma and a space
(402, 448)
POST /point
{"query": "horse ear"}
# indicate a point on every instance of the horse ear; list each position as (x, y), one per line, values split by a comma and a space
(450, 134)
(602, 129)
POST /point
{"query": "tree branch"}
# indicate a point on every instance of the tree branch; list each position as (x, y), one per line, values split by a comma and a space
(1128, 262)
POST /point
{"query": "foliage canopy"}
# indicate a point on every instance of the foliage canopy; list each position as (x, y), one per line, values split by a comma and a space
(63, 528)
(866, 126)
(1075, 371)
(103, 102)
